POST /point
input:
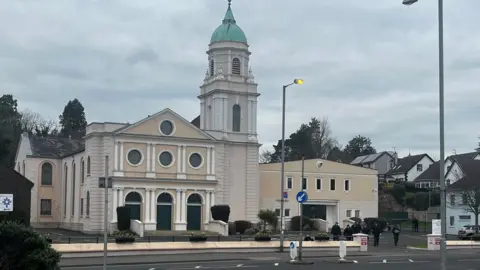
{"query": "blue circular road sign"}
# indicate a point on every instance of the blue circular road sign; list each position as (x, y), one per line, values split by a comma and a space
(302, 197)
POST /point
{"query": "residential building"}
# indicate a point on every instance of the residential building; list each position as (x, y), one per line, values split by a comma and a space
(410, 167)
(336, 191)
(462, 194)
(168, 170)
(431, 176)
(12, 182)
(382, 162)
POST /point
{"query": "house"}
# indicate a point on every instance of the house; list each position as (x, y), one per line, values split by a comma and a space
(463, 194)
(382, 162)
(168, 170)
(430, 177)
(336, 191)
(12, 182)
(410, 167)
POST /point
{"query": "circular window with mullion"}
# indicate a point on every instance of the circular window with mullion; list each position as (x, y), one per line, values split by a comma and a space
(166, 159)
(134, 157)
(167, 128)
(195, 160)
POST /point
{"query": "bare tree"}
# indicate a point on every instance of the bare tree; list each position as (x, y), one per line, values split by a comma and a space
(266, 156)
(322, 140)
(34, 123)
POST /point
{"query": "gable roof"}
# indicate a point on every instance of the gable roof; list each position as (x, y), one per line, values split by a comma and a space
(196, 121)
(406, 164)
(167, 110)
(369, 158)
(55, 147)
(471, 169)
(433, 172)
(11, 175)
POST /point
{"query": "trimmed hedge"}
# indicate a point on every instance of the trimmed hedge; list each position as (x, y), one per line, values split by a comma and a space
(242, 225)
(220, 212)
(295, 223)
(124, 215)
(370, 221)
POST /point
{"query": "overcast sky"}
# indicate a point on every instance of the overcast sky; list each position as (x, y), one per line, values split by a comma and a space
(371, 67)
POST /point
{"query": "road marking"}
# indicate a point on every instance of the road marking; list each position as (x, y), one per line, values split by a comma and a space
(410, 260)
(469, 260)
(276, 264)
(239, 265)
(384, 261)
(355, 262)
(151, 269)
(198, 266)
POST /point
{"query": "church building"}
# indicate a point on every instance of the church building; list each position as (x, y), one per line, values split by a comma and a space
(169, 170)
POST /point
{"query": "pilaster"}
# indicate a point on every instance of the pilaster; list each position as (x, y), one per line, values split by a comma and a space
(181, 225)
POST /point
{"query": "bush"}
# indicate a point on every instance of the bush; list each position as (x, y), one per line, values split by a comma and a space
(124, 237)
(23, 248)
(475, 237)
(242, 225)
(220, 212)
(198, 237)
(295, 223)
(231, 228)
(371, 220)
(398, 192)
(263, 236)
(250, 231)
(322, 237)
(124, 215)
(268, 217)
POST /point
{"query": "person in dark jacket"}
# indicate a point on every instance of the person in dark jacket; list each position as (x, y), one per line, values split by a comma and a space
(376, 234)
(396, 234)
(336, 231)
(356, 228)
(348, 233)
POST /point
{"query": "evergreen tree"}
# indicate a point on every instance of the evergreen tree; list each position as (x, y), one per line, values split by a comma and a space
(72, 120)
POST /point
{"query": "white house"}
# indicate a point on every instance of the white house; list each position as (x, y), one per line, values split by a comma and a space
(410, 167)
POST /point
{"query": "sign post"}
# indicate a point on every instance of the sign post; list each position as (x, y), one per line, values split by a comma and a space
(293, 251)
(342, 251)
(302, 197)
(6, 202)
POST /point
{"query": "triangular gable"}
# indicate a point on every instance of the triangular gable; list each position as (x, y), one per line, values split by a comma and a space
(151, 126)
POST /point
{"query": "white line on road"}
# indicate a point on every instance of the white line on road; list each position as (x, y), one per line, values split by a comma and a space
(239, 265)
(276, 264)
(355, 261)
(384, 261)
(469, 260)
(151, 269)
(410, 260)
(198, 266)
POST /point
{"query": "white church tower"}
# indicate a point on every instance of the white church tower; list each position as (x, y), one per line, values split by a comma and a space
(228, 100)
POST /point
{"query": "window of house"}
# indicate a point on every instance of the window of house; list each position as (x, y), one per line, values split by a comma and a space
(81, 206)
(319, 184)
(304, 183)
(82, 172)
(452, 220)
(287, 212)
(88, 204)
(277, 212)
(73, 189)
(332, 184)
(65, 190)
(236, 117)
(448, 182)
(349, 213)
(212, 67)
(448, 168)
(392, 163)
(289, 183)
(47, 174)
(357, 213)
(88, 165)
(346, 185)
(419, 167)
(464, 217)
(45, 207)
(464, 198)
(236, 66)
(452, 200)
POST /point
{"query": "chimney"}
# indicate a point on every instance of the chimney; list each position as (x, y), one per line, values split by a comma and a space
(395, 157)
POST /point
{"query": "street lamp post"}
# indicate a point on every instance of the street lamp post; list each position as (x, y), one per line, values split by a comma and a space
(282, 180)
(443, 209)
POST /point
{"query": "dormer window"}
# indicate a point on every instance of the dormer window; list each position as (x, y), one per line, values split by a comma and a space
(212, 67)
(236, 66)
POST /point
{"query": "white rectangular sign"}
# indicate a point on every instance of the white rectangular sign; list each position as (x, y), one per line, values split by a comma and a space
(6, 202)
(436, 226)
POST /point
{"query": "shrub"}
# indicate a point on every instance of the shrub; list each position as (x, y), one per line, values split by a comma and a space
(124, 216)
(322, 237)
(198, 237)
(268, 217)
(220, 212)
(263, 236)
(371, 220)
(250, 231)
(398, 192)
(231, 228)
(242, 225)
(295, 223)
(475, 237)
(23, 248)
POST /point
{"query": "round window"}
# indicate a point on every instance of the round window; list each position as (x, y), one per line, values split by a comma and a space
(134, 157)
(166, 127)
(195, 160)
(165, 158)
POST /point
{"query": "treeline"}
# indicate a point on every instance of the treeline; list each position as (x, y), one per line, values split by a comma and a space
(13, 123)
(315, 140)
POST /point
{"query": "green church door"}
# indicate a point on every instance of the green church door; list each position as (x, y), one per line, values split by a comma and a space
(135, 211)
(194, 217)
(164, 217)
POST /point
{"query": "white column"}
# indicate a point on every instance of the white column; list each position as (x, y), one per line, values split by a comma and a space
(202, 114)
(121, 156)
(254, 112)
(179, 159)
(178, 206)
(184, 159)
(147, 205)
(214, 113)
(153, 207)
(207, 207)
(115, 157)
(213, 160)
(114, 204)
(184, 207)
(226, 113)
(208, 159)
(212, 199)
(249, 117)
(148, 157)
(154, 155)
(121, 199)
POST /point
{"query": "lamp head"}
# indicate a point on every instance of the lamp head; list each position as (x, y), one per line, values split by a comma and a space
(298, 81)
(409, 2)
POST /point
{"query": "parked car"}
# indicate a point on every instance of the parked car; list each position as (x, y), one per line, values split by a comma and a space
(467, 231)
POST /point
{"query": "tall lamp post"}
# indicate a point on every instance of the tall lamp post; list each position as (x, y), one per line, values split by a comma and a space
(443, 209)
(282, 180)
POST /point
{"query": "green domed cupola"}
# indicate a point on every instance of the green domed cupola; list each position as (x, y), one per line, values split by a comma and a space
(229, 30)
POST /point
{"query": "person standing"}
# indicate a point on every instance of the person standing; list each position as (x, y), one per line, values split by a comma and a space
(336, 231)
(376, 234)
(396, 234)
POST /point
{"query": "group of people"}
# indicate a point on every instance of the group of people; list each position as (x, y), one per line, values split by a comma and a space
(376, 230)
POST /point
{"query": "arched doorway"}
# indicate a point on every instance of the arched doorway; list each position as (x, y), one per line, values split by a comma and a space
(194, 212)
(134, 201)
(164, 212)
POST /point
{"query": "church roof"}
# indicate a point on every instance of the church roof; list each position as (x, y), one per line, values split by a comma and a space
(229, 30)
(55, 147)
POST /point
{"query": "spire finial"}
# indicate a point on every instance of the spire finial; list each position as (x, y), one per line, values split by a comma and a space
(229, 2)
